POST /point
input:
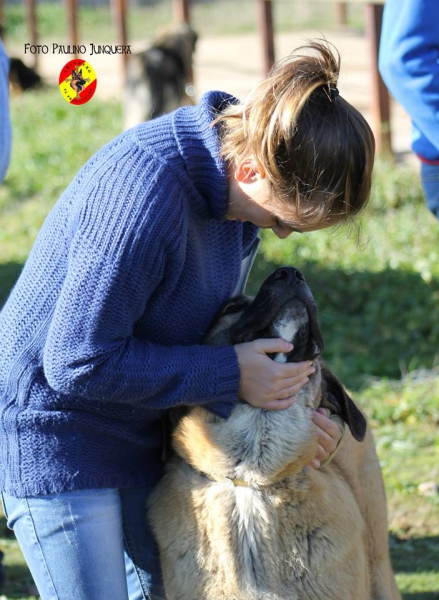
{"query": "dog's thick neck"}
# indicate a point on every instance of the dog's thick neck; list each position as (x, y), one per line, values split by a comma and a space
(258, 447)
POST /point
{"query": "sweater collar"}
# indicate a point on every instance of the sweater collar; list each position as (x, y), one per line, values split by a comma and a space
(199, 146)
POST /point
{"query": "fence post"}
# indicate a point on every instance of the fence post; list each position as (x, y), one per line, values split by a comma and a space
(265, 19)
(31, 14)
(341, 14)
(380, 95)
(73, 22)
(2, 17)
(119, 9)
(181, 11)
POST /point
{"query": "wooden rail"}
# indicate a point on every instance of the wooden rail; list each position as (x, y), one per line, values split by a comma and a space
(380, 105)
(181, 10)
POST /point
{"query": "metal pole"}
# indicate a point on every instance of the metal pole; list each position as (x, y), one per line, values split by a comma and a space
(181, 11)
(265, 14)
(380, 96)
(2, 18)
(341, 14)
(71, 6)
(119, 9)
(31, 14)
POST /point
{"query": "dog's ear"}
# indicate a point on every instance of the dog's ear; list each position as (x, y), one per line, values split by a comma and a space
(338, 399)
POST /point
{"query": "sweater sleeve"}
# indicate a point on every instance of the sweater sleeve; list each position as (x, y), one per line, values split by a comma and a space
(409, 61)
(5, 124)
(115, 262)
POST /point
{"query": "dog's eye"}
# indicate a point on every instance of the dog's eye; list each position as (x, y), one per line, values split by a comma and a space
(232, 309)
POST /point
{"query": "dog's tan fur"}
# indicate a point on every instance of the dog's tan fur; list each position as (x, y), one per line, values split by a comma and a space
(290, 533)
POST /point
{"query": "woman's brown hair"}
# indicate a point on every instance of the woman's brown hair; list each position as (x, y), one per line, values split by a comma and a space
(316, 150)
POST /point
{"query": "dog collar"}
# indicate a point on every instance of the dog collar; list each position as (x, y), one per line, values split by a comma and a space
(219, 479)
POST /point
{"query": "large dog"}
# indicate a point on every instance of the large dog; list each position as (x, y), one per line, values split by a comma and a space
(158, 78)
(240, 515)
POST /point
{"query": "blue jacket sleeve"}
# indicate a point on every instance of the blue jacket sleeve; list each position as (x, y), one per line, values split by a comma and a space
(409, 65)
(116, 260)
(5, 124)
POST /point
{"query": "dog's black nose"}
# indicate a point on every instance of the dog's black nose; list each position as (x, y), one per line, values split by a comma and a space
(289, 274)
(299, 274)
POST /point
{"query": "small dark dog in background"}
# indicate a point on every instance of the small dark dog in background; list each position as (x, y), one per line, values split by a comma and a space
(159, 78)
(21, 77)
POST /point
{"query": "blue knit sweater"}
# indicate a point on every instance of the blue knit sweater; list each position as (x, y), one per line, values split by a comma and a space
(101, 333)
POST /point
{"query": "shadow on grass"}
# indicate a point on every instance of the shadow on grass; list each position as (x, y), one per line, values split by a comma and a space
(374, 324)
(415, 554)
(421, 596)
(19, 583)
(5, 532)
(9, 273)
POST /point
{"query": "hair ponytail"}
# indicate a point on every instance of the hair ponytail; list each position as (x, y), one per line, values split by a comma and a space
(316, 149)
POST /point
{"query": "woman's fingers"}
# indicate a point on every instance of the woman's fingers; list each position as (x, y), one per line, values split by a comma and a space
(264, 381)
(272, 345)
(292, 389)
(329, 434)
(279, 404)
(283, 370)
(319, 458)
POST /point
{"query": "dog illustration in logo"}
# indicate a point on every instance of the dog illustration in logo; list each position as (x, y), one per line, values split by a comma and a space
(77, 82)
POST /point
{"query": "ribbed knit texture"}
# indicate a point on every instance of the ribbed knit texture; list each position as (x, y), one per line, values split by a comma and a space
(409, 65)
(101, 333)
(5, 124)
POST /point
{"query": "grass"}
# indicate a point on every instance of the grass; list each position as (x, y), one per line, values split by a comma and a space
(378, 292)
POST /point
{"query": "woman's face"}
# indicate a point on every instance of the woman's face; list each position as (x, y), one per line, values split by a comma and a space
(250, 199)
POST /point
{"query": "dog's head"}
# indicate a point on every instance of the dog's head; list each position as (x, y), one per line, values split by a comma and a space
(284, 307)
(261, 447)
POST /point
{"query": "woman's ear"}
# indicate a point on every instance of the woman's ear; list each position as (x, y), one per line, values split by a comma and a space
(248, 171)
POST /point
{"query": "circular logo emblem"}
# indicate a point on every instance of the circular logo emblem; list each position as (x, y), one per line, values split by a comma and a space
(77, 81)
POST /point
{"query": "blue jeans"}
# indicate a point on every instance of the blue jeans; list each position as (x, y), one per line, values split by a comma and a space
(430, 183)
(88, 545)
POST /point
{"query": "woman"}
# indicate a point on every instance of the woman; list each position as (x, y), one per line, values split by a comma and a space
(102, 332)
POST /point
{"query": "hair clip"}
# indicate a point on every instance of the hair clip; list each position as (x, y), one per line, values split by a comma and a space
(331, 93)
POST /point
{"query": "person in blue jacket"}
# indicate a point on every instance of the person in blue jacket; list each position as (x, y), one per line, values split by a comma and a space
(5, 123)
(103, 331)
(409, 65)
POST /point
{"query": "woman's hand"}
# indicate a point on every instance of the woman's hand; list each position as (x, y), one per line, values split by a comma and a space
(265, 383)
(329, 435)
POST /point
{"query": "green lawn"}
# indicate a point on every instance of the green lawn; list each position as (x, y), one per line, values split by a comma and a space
(377, 289)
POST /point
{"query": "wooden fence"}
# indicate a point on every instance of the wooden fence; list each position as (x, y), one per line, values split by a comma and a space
(380, 105)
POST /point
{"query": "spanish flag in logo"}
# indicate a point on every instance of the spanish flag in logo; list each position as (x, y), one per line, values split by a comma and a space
(77, 81)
